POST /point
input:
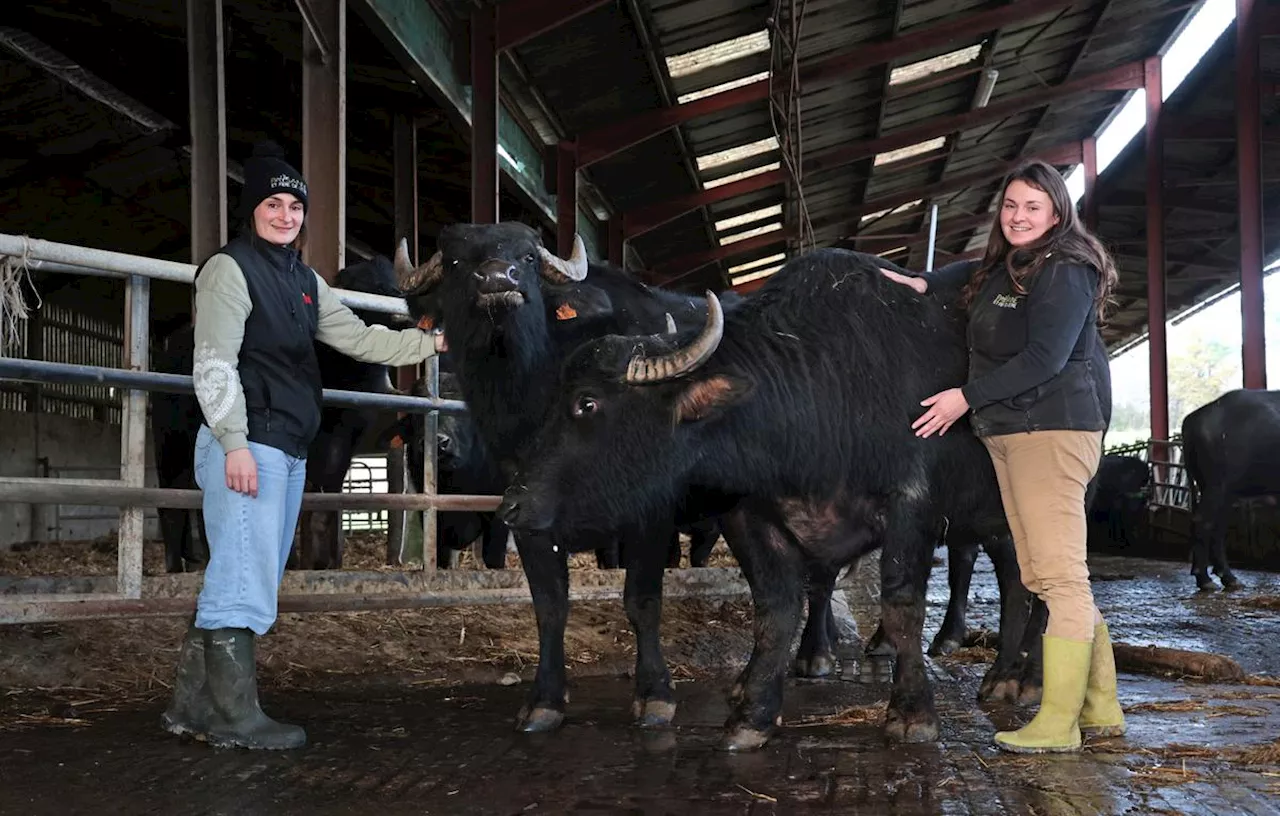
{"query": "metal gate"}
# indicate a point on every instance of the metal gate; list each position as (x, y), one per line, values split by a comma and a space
(131, 594)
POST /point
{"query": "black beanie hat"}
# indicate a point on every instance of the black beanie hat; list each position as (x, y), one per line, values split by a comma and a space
(267, 173)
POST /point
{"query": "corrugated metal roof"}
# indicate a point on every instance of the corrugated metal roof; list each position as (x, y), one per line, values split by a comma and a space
(1040, 51)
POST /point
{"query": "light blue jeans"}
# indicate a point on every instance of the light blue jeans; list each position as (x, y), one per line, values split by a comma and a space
(249, 538)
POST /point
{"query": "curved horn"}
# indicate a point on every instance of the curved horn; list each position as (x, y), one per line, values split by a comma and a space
(558, 270)
(424, 277)
(685, 360)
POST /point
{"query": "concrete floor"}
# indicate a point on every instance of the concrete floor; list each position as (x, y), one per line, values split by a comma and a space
(386, 749)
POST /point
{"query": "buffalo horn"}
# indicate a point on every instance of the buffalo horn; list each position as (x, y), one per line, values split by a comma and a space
(558, 270)
(685, 360)
(410, 279)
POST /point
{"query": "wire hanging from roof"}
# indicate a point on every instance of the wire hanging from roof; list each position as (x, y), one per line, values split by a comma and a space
(784, 104)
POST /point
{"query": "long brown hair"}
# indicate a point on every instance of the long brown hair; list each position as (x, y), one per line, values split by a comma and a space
(1068, 240)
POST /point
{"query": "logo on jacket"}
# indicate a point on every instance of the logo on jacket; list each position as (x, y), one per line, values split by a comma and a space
(1007, 301)
(306, 298)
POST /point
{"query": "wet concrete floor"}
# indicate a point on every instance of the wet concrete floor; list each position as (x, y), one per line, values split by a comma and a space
(385, 749)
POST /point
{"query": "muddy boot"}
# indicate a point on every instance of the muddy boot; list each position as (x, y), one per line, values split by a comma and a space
(237, 720)
(1055, 728)
(1101, 715)
(191, 708)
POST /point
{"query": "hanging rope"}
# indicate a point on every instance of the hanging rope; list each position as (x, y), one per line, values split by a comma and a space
(15, 273)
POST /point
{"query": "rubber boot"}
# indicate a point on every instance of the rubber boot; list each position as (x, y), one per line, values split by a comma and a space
(191, 708)
(1055, 728)
(1102, 715)
(237, 720)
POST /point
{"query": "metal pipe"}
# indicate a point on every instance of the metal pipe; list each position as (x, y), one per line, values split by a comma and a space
(32, 490)
(390, 590)
(17, 368)
(51, 256)
(933, 237)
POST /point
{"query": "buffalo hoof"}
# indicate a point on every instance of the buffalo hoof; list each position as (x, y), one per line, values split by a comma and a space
(821, 665)
(653, 713)
(1230, 582)
(1206, 584)
(913, 726)
(744, 738)
(1001, 689)
(943, 646)
(539, 720)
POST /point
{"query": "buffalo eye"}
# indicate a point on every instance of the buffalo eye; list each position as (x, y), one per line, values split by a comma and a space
(585, 405)
(529, 259)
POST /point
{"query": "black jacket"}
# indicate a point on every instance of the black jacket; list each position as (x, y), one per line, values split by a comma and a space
(277, 363)
(1036, 361)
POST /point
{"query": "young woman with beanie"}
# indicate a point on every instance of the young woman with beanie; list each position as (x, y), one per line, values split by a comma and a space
(258, 309)
(1040, 394)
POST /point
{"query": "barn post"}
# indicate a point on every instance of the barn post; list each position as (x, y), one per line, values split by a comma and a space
(404, 150)
(1249, 162)
(566, 197)
(324, 132)
(430, 424)
(206, 86)
(1156, 314)
(133, 436)
(1089, 151)
(484, 115)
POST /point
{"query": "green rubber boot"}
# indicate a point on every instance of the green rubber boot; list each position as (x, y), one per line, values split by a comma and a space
(191, 708)
(1101, 715)
(238, 721)
(1055, 728)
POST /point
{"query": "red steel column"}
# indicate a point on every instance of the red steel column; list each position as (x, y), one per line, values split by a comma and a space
(1249, 160)
(1155, 257)
(1089, 149)
(484, 115)
(566, 197)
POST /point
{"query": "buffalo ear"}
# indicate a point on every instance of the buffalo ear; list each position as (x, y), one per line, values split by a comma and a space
(707, 399)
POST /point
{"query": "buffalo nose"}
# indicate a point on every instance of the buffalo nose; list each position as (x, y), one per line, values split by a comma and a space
(444, 443)
(497, 276)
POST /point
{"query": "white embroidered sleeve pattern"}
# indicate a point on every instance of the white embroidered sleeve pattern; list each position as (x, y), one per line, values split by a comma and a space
(216, 382)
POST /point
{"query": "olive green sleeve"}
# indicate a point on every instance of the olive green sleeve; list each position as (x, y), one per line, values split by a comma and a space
(221, 309)
(342, 329)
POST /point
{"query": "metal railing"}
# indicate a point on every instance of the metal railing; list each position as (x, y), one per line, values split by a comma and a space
(130, 594)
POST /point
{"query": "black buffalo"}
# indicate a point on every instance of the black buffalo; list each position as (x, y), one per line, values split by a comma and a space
(511, 311)
(1230, 448)
(176, 418)
(800, 401)
(1118, 494)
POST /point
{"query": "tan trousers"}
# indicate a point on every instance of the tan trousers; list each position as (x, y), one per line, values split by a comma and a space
(1043, 476)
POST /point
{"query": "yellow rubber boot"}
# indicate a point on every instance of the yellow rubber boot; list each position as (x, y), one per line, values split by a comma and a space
(1101, 715)
(1055, 728)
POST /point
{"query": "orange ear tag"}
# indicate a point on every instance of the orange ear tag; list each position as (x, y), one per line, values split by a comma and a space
(397, 442)
(426, 323)
(565, 312)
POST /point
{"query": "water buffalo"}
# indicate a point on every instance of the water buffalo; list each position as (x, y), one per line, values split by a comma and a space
(1230, 448)
(800, 400)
